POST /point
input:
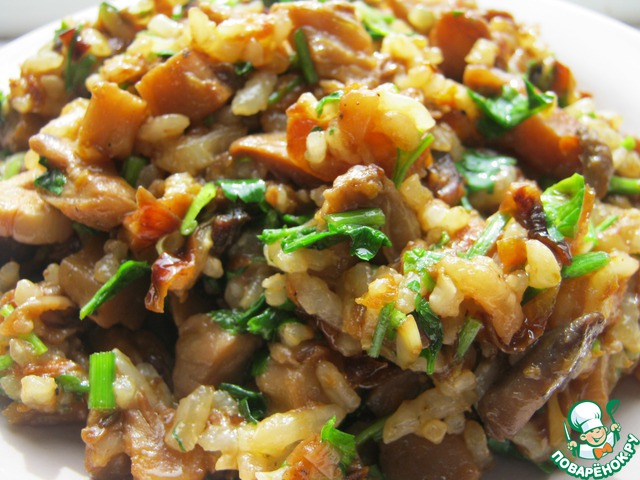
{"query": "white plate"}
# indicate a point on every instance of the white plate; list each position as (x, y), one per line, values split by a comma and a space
(604, 57)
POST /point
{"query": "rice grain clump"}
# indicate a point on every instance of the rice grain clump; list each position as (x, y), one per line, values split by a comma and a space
(309, 240)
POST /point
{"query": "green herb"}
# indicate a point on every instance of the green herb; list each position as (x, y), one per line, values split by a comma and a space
(405, 159)
(445, 238)
(481, 170)
(72, 384)
(176, 435)
(82, 229)
(372, 432)
(260, 363)
(431, 325)
(489, 235)
(6, 310)
(295, 220)
(38, 345)
(467, 335)
(562, 203)
(624, 186)
(628, 143)
(53, 180)
(249, 190)
(5, 361)
(127, 273)
(331, 98)
(252, 405)
(304, 57)
(457, 13)
(12, 165)
(585, 264)
(343, 442)
(278, 95)
(376, 22)
(201, 200)
(381, 330)
(365, 240)
(606, 223)
(132, 167)
(242, 68)
(79, 64)
(529, 294)
(102, 374)
(258, 319)
(507, 111)
(421, 261)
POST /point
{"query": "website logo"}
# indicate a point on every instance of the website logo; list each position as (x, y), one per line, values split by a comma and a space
(596, 442)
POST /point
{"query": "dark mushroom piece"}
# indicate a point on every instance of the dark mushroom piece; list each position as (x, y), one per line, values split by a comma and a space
(547, 367)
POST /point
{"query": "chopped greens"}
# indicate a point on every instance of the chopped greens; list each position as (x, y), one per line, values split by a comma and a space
(585, 264)
(481, 170)
(127, 273)
(132, 167)
(78, 63)
(279, 94)
(429, 323)
(376, 22)
(562, 203)
(304, 57)
(331, 98)
(489, 235)
(628, 143)
(606, 223)
(53, 180)
(72, 384)
(420, 261)
(343, 442)
(5, 361)
(624, 186)
(259, 319)
(102, 374)
(7, 309)
(38, 345)
(252, 405)
(467, 335)
(405, 159)
(201, 200)
(372, 432)
(259, 364)
(510, 109)
(12, 165)
(250, 190)
(242, 68)
(380, 332)
(366, 240)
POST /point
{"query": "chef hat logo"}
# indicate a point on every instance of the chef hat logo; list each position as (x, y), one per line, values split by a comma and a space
(585, 416)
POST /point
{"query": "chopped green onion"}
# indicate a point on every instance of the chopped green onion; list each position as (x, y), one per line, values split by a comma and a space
(242, 68)
(331, 98)
(102, 374)
(624, 186)
(585, 264)
(250, 190)
(278, 95)
(343, 442)
(405, 159)
(127, 273)
(480, 170)
(7, 309)
(467, 335)
(175, 433)
(5, 361)
(628, 143)
(370, 217)
(372, 432)
(252, 405)
(431, 325)
(37, 344)
(72, 384)
(304, 56)
(78, 64)
(381, 330)
(132, 167)
(376, 22)
(12, 165)
(508, 110)
(606, 223)
(53, 180)
(529, 294)
(201, 200)
(295, 220)
(489, 235)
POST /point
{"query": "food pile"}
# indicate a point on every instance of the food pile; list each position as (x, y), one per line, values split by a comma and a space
(311, 240)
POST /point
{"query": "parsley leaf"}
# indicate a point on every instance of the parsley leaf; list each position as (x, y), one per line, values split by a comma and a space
(562, 203)
(201, 200)
(405, 159)
(343, 442)
(376, 22)
(431, 325)
(585, 264)
(252, 405)
(249, 190)
(510, 109)
(480, 170)
(420, 261)
(53, 180)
